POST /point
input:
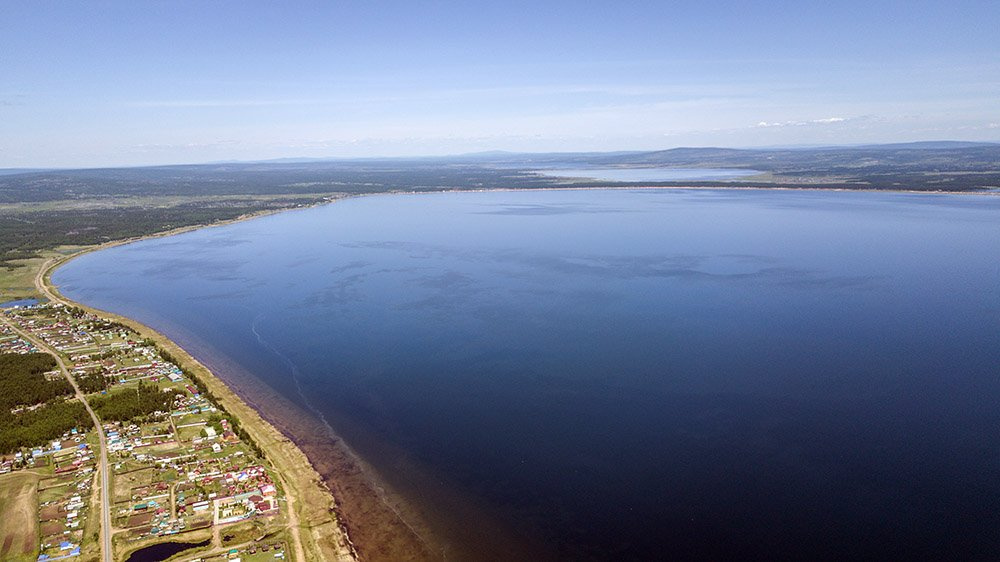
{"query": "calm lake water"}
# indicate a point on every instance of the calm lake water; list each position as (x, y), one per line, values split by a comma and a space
(629, 374)
(162, 551)
(19, 302)
(650, 174)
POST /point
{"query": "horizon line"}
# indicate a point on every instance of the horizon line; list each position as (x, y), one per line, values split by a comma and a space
(11, 170)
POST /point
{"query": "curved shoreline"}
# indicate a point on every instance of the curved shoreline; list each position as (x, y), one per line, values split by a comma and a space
(313, 517)
(371, 514)
(373, 520)
(312, 478)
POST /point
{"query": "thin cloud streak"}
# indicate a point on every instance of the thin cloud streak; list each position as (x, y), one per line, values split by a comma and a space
(825, 121)
(671, 92)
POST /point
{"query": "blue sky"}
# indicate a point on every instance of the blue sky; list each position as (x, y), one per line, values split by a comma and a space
(128, 83)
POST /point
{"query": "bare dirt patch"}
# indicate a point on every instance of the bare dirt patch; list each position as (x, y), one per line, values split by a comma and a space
(141, 519)
(50, 513)
(19, 514)
(52, 528)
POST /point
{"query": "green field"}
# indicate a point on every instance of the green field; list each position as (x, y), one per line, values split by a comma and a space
(17, 278)
(131, 361)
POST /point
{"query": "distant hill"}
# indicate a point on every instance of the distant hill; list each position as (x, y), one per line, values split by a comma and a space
(928, 166)
(931, 145)
(895, 158)
(12, 171)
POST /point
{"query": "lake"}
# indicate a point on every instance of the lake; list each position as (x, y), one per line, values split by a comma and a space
(626, 374)
(18, 302)
(650, 174)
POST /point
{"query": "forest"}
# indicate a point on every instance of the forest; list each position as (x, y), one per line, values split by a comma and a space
(127, 405)
(23, 383)
(24, 233)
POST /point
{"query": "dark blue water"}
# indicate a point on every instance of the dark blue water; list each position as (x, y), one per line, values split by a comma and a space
(630, 374)
(18, 302)
(163, 551)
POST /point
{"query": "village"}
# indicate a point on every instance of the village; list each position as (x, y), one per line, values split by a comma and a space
(182, 470)
(10, 342)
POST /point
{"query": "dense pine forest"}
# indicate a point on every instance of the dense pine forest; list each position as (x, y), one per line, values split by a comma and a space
(34, 408)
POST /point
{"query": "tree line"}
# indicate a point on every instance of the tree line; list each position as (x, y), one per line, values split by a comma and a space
(32, 428)
(129, 404)
(23, 383)
(234, 423)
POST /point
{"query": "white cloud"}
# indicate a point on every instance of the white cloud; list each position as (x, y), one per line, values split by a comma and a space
(219, 103)
(156, 147)
(470, 95)
(824, 121)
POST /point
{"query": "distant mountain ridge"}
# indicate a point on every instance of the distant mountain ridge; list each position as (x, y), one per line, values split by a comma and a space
(686, 153)
(665, 156)
(929, 156)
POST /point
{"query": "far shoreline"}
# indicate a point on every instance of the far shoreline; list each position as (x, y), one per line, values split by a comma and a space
(233, 392)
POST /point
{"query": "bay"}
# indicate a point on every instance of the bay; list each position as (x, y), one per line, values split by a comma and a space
(626, 374)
